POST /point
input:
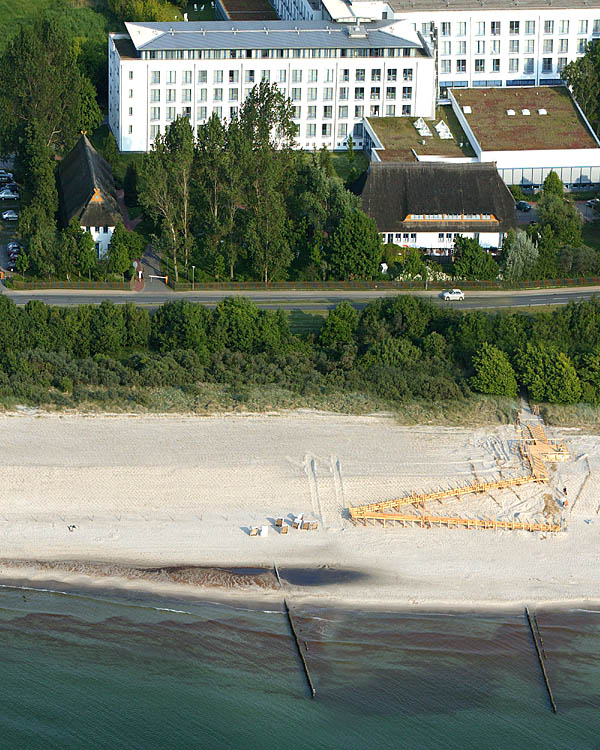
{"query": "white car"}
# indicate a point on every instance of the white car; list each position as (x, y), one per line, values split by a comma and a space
(8, 195)
(453, 294)
(10, 215)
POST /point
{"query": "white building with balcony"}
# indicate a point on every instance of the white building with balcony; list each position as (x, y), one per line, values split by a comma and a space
(335, 74)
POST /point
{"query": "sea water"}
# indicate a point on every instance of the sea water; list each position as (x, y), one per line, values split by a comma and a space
(90, 670)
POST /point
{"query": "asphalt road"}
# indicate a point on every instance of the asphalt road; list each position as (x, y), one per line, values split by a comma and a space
(308, 300)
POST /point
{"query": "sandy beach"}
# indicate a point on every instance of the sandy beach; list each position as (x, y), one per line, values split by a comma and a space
(177, 491)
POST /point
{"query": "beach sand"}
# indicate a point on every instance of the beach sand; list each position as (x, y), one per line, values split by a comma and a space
(166, 491)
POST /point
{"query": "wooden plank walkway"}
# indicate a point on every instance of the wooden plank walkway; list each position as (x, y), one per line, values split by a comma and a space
(427, 521)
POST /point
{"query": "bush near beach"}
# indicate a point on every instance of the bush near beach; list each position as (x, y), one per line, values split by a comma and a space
(398, 353)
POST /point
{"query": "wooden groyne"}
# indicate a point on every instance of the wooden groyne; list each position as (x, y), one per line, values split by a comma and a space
(539, 632)
(541, 660)
(311, 687)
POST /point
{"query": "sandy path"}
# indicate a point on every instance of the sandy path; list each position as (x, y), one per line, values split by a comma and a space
(185, 490)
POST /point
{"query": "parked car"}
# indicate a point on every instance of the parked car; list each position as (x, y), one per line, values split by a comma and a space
(10, 215)
(11, 266)
(594, 203)
(8, 195)
(14, 245)
(453, 294)
(11, 186)
(523, 206)
(5, 176)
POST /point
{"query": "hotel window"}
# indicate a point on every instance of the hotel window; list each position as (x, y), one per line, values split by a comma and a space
(155, 76)
(461, 48)
(326, 130)
(186, 95)
(218, 95)
(329, 75)
(480, 66)
(343, 112)
(390, 92)
(446, 66)
(233, 112)
(130, 111)
(514, 27)
(202, 95)
(297, 113)
(154, 131)
(390, 110)
(563, 45)
(445, 29)
(548, 45)
(548, 27)
(171, 95)
(413, 236)
(446, 48)
(312, 112)
(202, 76)
(130, 129)
(344, 93)
(187, 76)
(562, 61)
(496, 64)
(480, 47)
(546, 65)
(296, 76)
(581, 46)
(392, 74)
(131, 93)
(374, 110)
(513, 46)
(171, 113)
(461, 66)
(563, 27)
(311, 130)
(313, 76)
(218, 111)
(200, 113)
(312, 94)
(359, 92)
(327, 112)
(233, 95)
(172, 77)
(359, 111)
(265, 75)
(480, 28)
(345, 75)
(495, 50)
(234, 76)
(513, 65)
(296, 95)
(495, 28)
(530, 27)
(583, 27)
(186, 112)
(596, 29)
(218, 76)
(407, 74)
(530, 46)
(461, 28)
(360, 74)
(249, 76)
(130, 74)
(155, 113)
(376, 74)
(327, 94)
(528, 65)
(440, 237)
(342, 130)
(154, 95)
(407, 92)
(375, 92)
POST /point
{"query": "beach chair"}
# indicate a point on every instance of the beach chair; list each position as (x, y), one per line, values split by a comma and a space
(306, 525)
(296, 523)
(279, 522)
(284, 529)
(315, 525)
(254, 531)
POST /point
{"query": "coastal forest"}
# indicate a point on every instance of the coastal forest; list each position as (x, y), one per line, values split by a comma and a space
(397, 350)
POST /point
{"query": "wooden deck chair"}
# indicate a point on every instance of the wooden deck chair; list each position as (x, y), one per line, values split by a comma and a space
(254, 531)
(315, 525)
(284, 529)
(279, 522)
(306, 525)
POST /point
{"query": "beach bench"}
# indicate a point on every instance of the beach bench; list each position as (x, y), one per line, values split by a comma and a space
(315, 525)
(279, 522)
(284, 529)
(254, 531)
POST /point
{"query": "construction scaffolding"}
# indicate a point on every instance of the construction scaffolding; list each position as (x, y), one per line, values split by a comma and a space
(535, 450)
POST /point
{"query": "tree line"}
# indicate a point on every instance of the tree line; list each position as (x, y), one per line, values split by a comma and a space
(400, 349)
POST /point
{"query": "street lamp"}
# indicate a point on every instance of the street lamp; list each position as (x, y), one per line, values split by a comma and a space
(193, 277)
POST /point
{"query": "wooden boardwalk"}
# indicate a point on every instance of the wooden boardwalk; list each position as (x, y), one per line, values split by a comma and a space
(451, 522)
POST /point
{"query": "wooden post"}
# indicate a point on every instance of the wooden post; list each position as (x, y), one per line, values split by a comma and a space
(541, 661)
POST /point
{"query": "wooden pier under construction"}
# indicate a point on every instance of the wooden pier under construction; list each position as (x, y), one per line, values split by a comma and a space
(535, 449)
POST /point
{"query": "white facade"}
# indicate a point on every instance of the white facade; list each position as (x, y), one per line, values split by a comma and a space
(498, 43)
(441, 243)
(332, 86)
(102, 237)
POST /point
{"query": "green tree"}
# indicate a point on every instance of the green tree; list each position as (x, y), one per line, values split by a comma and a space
(558, 213)
(119, 250)
(552, 185)
(130, 184)
(355, 248)
(108, 333)
(548, 374)
(111, 151)
(472, 262)
(339, 328)
(493, 372)
(41, 83)
(235, 325)
(520, 257)
(581, 76)
(181, 325)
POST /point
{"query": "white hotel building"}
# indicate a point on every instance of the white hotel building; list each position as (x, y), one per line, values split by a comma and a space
(482, 42)
(334, 73)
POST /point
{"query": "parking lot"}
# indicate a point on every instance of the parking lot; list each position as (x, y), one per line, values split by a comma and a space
(7, 232)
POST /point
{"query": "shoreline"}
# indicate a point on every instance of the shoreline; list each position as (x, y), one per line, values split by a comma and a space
(46, 578)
